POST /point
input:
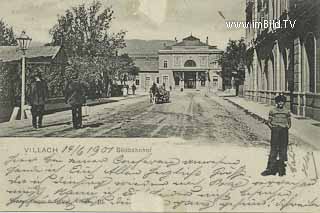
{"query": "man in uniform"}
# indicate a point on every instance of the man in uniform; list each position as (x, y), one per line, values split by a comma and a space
(38, 98)
(75, 96)
(279, 123)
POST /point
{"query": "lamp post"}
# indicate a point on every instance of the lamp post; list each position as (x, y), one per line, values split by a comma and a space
(24, 42)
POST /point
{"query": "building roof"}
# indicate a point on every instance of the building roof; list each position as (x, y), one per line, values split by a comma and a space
(137, 47)
(12, 53)
(191, 38)
(190, 41)
(147, 65)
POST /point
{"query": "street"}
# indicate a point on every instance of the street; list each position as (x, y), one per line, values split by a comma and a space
(191, 115)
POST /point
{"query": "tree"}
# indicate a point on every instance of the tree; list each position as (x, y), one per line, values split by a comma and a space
(6, 35)
(127, 69)
(91, 46)
(85, 31)
(233, 61)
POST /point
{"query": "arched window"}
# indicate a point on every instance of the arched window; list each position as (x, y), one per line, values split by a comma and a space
(310, 50)
(190, 63)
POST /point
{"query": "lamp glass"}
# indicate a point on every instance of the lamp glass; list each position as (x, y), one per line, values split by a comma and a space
(24, 41)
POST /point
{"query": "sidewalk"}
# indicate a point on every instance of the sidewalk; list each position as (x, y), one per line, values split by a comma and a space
(61, 106)
(63, 112)
(306, 129)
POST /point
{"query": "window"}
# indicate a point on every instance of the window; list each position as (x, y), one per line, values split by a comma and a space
(215, 64)
(166, 80)
(158, 80)
(147, 83)
(137, 82)
(190, 63)
(165, 64)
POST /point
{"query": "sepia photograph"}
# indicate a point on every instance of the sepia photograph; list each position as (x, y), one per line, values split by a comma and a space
(160, 106)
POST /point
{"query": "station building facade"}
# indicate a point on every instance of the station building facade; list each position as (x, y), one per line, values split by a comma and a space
(190, 64)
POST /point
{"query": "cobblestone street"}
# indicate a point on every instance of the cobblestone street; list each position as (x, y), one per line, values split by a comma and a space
(190, 115)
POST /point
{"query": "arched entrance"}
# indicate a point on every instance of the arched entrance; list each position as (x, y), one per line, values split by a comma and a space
(190, 77)
(190, 80)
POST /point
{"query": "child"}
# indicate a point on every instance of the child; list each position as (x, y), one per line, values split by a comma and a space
(279, 123)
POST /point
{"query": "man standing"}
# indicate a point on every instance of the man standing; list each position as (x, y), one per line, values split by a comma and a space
(133, 89)
(75, 96)
(38, 97)
(153, 93)
(279, 123)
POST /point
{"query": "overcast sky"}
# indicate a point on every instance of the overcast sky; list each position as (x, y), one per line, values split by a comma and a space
(143, 19)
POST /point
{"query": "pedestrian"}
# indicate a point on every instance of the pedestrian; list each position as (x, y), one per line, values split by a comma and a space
(133, 89)
(279, 122)
(38, 98)
(75, 96)
(153, 93)
(127, 88)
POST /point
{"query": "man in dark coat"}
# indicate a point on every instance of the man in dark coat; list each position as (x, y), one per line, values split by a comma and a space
(38, 97)
(133, 89)
(75, 96)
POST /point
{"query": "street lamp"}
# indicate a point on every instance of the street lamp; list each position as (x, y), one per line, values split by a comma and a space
(24, 42)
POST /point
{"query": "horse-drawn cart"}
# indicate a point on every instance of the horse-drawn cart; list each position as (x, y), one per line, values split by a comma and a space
(162, 96)
(159, 95)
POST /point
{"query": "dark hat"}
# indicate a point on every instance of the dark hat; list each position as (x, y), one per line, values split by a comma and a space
(37, 73)
(280, 98)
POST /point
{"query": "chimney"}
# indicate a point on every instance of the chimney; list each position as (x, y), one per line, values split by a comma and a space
(164, 44)
(207, 41)
(175, 39)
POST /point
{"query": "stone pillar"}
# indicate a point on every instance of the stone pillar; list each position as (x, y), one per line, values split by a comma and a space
(197, 80)
(182, 81)
(277, 67)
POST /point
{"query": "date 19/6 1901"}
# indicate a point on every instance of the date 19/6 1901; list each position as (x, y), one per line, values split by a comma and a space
(90, 151)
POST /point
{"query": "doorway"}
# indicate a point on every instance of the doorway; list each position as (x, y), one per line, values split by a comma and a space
(190, 80)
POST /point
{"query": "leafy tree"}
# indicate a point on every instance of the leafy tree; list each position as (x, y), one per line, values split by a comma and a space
(6, 35)
(85, 31)
(91, 46)
(233, 61)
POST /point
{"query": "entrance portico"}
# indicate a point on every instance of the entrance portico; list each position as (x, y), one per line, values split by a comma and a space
(190, 79)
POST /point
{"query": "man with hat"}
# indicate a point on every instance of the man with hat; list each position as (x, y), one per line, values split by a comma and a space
(279, 123)
(75, 96)
(38, 98)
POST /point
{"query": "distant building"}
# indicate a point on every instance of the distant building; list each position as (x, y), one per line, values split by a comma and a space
(285, 60)
(50, 59)
(145, 56)
(189, 64)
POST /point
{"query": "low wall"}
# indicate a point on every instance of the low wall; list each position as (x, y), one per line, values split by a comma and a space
(302, 104)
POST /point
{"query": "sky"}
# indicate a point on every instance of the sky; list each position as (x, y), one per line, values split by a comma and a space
(142, 19)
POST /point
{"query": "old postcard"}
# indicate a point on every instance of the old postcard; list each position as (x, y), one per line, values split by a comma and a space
(159, 106)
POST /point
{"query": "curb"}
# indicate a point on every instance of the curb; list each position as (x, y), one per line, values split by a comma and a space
(293, 131)
(252, 114)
